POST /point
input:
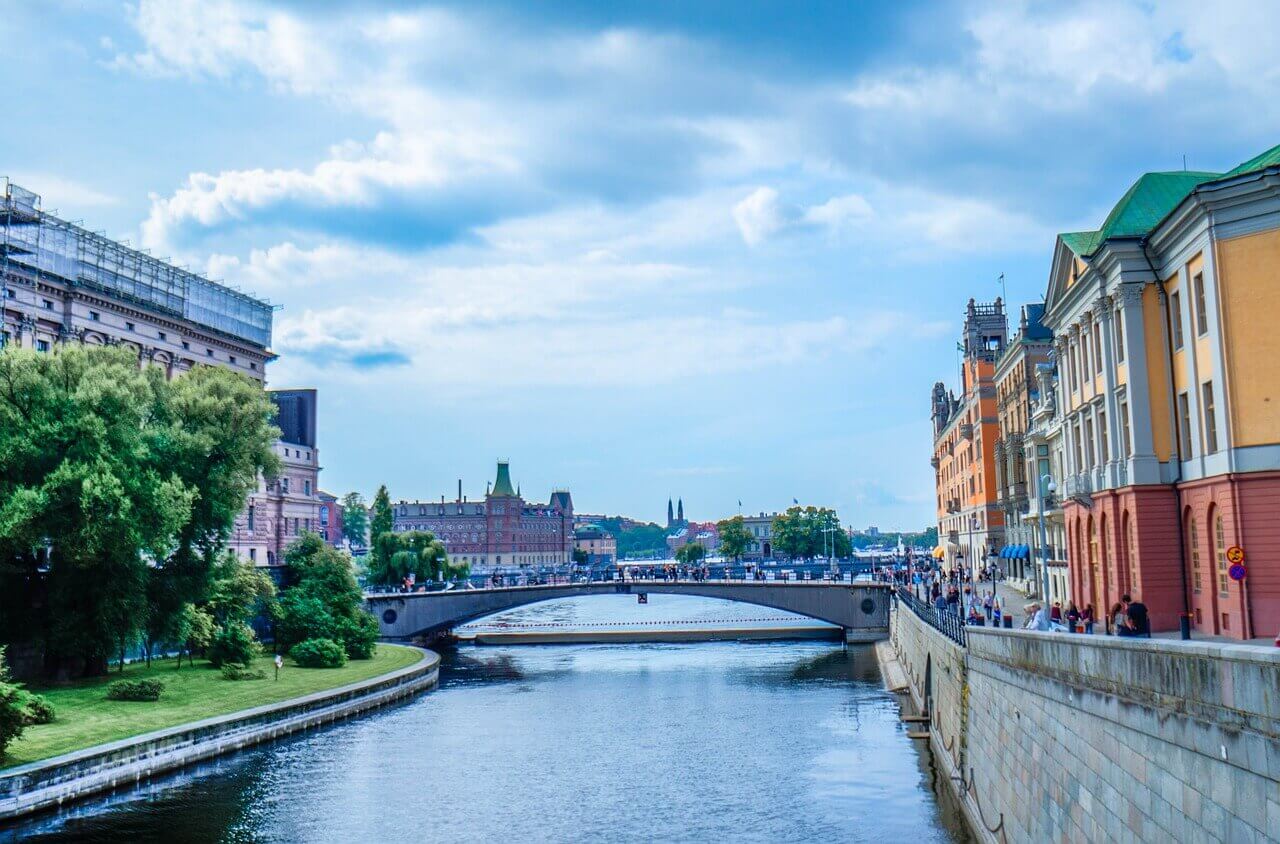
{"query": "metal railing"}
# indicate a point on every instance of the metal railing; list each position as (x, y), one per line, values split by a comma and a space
(945, 622)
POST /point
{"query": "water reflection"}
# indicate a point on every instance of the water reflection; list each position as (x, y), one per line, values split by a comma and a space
(700, 742)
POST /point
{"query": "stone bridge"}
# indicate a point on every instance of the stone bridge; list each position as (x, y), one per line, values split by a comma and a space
(861, 609)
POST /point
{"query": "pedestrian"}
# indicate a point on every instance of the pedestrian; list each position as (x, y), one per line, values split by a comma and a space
(986, 605)
(1118, 619)
(1055, 613)
(975, 617)
(995, 612)
(1037, 618)
(1139, 620)
(1086, 617)
(940, 603)
(1073, 616)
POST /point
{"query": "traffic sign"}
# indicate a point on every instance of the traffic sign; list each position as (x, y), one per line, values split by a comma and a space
(1235, 555)
(1236, 572)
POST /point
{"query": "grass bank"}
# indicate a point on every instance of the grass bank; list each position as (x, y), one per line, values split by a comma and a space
(86, 718)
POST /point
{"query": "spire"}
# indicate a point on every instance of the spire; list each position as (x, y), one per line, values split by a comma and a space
(502, 485)
(680, 511)
(671, 514)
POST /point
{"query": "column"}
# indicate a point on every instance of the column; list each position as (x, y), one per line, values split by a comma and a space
(1104, 308)
(1144, 466)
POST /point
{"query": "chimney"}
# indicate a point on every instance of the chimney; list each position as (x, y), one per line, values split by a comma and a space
(459, 489)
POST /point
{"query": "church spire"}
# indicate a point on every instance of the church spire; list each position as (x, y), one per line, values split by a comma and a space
(680, 512)
(671, 514)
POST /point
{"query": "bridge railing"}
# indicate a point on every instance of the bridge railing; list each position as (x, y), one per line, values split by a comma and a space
(946, 622)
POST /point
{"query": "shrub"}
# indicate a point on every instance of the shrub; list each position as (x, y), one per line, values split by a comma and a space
(37, 709)
(233, 642)
(359, 635)
(319, 653)
(135, 690)
(231, 671)
(12, 713)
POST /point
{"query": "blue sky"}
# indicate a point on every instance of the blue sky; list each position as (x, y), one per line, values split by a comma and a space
(641, 249)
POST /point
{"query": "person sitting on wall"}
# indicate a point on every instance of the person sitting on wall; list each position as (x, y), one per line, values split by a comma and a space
(1138, 620)
(1037, 618)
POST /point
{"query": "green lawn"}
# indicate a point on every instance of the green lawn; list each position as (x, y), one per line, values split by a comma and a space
(85, 717)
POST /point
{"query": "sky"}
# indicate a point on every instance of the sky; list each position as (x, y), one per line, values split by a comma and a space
(718, 251)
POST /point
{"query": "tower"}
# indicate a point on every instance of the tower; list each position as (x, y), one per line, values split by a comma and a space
(671, 514)
(680, 512)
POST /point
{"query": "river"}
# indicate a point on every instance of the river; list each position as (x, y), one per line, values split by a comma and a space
(715, 741)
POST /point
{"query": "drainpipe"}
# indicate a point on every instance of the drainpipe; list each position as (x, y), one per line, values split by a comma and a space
(1184, 624)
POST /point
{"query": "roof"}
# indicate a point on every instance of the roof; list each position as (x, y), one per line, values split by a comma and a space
(1270, 158)
(502, 486)
(1147, 202)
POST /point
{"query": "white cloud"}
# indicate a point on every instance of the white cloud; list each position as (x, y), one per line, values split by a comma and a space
(762, 215)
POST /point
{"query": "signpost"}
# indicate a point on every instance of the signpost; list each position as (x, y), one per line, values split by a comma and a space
(1237, 572)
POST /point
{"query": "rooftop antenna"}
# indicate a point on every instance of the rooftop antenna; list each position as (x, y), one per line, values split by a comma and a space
(1004, 294)
(1184, 162)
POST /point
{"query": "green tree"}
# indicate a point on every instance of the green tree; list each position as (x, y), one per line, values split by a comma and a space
(12, 708)
(690, 553)
(395, 556)
(355, 519)
(239, 592)
(580, 556)
(808, 532)
(381, 532)
(323, 600)
(735, 539)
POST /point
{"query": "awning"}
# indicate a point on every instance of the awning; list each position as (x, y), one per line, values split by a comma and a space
(939, 552)
(1021, 551)
(1006, 552)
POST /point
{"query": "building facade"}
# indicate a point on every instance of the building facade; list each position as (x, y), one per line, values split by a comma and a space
(1166, 344)
(330, 519)
(1017, 392)
(500, 531)
(598, 544)
(1045, 458)
(760, 527)
(965, 430)
(61, 283)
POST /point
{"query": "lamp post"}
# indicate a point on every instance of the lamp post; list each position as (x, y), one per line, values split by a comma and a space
(1045, 484)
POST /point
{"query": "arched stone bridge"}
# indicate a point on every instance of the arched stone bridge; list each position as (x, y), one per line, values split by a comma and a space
(862, 609)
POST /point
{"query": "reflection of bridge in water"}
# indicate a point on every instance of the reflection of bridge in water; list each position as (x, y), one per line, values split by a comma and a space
(861, 610)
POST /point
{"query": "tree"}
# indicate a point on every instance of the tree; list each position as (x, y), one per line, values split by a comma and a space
(808, 532)
(581, 557)
(323, 600)
(735, 539)
(240, 592)
(118, 489)
(395, 556)
(12, 710)
(355, 519)
(690, 553)
(381, 524)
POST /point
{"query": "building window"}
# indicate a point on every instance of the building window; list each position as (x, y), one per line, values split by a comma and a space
(1133, 553)
(1103, 452)
(1193, 542)
(1097, 348)
(284, 485)
(1202, 313)
(1210, 418)
(1126, 447)
(1088, 444)
(251, 518)
(94, 316)
(306, 487)
(130, 326)
(253, 555)
(1075, 369)
(1084, 357)
(208, 353)
(1220, 551)
(163, 336)
(47, 304)
(1175, 314)
(1184, 435)
(186, 345)
(253, 365)
(232, 358)
(1119, 339)
(42, 345)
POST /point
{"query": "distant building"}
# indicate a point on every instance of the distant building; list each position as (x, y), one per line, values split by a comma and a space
(600, 546)
(502, 530)
(702, 533)
(761, 529)
(331, 519)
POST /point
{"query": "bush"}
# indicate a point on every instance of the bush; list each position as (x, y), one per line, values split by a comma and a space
(233, 643)
(13, 718)
(231, 671)
(359, 635)
(37, 709)
(319, 653)
(135, 690)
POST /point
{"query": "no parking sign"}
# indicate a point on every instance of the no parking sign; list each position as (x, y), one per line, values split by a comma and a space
(1235, 556)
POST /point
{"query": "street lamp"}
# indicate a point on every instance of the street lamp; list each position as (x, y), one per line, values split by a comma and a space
(1046, 484)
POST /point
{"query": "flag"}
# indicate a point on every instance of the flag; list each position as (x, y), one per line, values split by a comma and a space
(739, 504)
(794, 501)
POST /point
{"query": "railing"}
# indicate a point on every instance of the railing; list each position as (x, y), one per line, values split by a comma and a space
(944, 621)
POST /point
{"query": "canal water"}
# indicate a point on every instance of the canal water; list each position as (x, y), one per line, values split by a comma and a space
(716, 741)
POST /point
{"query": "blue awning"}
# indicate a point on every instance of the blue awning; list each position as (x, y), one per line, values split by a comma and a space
(1022, 551)
(1005, 552)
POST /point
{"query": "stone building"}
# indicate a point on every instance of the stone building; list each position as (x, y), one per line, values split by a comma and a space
(1165, 326)
(1017, 391)
(598, 544)
(61, 283)
(965, 431)
(500, 531)
(760, 527)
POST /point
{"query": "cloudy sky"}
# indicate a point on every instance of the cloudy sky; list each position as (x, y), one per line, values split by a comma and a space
(715, 250)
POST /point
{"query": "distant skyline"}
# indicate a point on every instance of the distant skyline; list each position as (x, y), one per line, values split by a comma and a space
(718, 251)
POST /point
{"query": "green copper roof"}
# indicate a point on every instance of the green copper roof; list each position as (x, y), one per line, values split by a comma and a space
(1270, 158)
(1141, 209)
(502, 486)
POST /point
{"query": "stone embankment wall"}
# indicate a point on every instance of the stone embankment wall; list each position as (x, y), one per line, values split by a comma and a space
(73, 776)
(1059, 737)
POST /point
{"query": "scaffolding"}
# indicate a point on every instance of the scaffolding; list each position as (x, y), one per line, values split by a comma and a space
(38, 244)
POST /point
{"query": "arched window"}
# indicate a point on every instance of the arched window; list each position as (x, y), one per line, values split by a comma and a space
(1220, 549)
(1193, 548)
(1095, 579)
(1104, 561)
(1132, 552)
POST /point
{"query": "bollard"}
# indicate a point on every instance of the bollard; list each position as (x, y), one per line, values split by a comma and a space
(1008, 622)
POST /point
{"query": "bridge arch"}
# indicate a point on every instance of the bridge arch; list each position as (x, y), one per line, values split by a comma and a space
(862, 610)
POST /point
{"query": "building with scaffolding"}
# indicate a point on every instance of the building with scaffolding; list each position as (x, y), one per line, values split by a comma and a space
(62, 283)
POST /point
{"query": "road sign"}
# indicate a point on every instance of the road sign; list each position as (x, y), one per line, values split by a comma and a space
(1236, 572)
(1235, 555)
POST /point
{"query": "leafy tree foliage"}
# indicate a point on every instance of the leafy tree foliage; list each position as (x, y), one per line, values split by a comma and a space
(802, 533)
(13, 719)
(690, 553)
(580, 556)
(118, 489)
(239, 592)
(318, 653)
(735, 539)
(355, 519)
(395, 556)
(323, 600)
